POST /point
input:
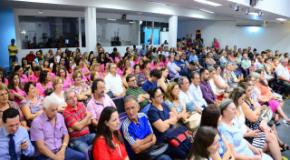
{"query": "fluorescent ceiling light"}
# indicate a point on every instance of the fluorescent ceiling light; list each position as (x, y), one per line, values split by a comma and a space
(204, 10)
(131, 22)
(254, 13)
(208, 3)
(281, 19)
(111, 19)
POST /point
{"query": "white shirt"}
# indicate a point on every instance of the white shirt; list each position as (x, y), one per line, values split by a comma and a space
(282, 71)
(196, 93)
(60, 100)
(114, 83)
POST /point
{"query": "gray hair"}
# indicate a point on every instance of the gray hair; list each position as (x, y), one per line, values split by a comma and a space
(67, 92)
(180, 80)
(129, 99)
(48, 101)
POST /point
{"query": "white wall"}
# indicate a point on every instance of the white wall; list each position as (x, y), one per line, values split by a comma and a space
(272, 36)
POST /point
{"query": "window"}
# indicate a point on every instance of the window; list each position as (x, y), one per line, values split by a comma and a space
(48, 32)
(150, 34)
(117, 32)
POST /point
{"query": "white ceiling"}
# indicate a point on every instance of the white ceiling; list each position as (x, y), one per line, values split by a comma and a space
(226, 10)
(190, 7)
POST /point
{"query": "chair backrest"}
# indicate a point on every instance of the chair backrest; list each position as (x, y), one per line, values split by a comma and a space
(119, 102)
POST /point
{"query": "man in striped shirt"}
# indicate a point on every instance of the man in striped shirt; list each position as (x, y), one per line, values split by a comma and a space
(78, 119)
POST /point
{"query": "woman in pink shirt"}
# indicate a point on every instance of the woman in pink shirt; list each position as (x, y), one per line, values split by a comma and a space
(85, 71)
(44, 83)
(23, 77)
(16, 92)
(63, 74)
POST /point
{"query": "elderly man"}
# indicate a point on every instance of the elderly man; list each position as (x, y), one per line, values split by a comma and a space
(283, 74)
(195, 91)
(99, 101)
(14, 139)
(78, 119)
(137, 130)
(50, 134)
(186, 96)
(136, 91)
(113, 82)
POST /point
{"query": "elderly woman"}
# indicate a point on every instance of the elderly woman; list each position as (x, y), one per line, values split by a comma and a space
(32, 105)
(234, 134)
(81, 89)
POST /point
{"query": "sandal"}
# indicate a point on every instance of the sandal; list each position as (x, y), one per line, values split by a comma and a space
(284, 147)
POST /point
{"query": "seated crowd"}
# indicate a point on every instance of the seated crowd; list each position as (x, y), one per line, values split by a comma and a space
(188, 102)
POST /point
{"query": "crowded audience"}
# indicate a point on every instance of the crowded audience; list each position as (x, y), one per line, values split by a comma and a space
(153, 103)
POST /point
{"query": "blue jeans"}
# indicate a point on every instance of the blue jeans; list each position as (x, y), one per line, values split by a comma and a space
(70, 154)
(163, 157)
(83, 143)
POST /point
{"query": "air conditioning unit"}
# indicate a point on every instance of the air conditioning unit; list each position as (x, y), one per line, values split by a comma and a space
(250, 23)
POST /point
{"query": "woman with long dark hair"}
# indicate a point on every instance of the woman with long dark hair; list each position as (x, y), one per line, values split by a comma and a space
(108, 144)
(16, 93)
(205, 145)
(44, 83)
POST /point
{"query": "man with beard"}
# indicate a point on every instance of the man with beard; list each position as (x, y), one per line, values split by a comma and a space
(135, 91)
(205, 87)
(99, 101)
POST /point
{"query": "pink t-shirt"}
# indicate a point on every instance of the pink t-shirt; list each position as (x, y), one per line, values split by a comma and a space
(67, 83)
(41, 89)
(23, 79)
(96, 107)
(32, 78)
(18, 91)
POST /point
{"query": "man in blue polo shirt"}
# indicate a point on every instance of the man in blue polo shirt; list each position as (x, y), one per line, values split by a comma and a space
(137, 129)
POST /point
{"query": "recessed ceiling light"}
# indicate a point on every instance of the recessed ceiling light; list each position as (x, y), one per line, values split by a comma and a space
(207, 11)
(208, 3)
(111, 19)
(281, 19)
